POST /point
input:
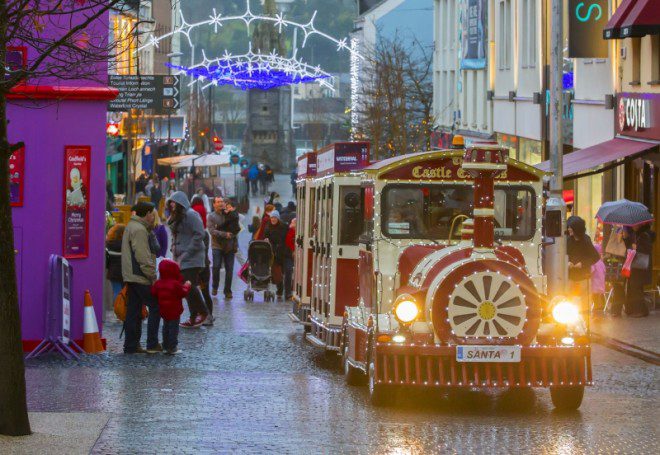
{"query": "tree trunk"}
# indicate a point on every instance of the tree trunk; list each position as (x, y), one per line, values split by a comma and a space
(13, 405)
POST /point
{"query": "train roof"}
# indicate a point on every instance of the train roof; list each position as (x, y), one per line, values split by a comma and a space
(406, 167)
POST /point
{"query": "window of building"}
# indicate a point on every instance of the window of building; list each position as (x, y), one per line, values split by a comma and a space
(635, 60)
(505, 35)
(655, 60)
(528, 41)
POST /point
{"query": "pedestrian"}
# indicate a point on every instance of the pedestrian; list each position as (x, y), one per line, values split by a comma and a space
(161, 235)
(109, 197)
(205, 274)
(598, 282)
(188, 251)
(581, 256)
(148, 187)
(253, 228)
(289, 212)
(294, 177)
(113, 241)
(138, 267)
(169, 290)
(224, 228)
(253, 178)
(639, 238)
(276, 234)
(263, 179)
(265, 222)
(156, 194)
(205, 199)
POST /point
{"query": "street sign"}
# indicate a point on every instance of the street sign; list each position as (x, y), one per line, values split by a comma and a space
(244, 162)
(234, 159)
(218, 143)
(161, 93)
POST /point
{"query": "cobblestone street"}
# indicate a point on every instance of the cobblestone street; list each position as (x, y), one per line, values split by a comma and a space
(252, 384)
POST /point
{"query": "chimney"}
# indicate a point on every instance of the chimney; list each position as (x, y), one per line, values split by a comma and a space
(484, 163)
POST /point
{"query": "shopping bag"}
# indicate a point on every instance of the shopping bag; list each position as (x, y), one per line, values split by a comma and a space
(615, 244)
(625, 270)
(243, 272)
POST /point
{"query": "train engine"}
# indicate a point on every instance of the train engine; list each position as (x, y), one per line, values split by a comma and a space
(469, 315)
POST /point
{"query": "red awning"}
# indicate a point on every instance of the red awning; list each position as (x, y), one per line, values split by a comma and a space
(613, 28)
(606, 152)
(643, 19)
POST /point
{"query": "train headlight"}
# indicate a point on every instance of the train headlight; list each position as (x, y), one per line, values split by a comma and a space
(565, 311)
(405, 309)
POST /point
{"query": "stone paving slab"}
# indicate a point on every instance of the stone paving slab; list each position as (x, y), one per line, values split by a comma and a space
(57, 433)
(641, 332)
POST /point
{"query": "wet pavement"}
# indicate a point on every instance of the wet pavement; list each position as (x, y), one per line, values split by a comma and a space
(251, 384)
(640, 332)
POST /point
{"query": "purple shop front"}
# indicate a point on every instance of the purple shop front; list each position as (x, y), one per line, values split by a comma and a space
(51, 117)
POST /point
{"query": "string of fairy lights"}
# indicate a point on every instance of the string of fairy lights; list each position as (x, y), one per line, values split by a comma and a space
(252, 69)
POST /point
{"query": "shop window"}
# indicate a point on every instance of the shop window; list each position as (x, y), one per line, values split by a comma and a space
(350, 215)
(528, 41)
(505, 35)
(437, 211)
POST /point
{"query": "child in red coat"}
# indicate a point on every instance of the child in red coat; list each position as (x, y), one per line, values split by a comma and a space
(170, 289)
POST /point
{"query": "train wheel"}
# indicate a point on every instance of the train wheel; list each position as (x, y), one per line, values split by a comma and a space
(567, 398)
(354, 376)
(378, 393)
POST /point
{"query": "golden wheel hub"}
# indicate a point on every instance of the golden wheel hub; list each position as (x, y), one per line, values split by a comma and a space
(486, 310)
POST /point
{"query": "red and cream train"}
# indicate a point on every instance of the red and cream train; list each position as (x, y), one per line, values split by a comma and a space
(425, 270)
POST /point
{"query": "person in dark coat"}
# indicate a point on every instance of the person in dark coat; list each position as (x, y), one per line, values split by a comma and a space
(581, 256)
(640, 239)
(276, 234)
(113, 258)
(289, 212)
(109, 197)
(294, 177)
(156, 194)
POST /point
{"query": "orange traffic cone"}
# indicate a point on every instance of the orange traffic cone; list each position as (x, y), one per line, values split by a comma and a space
(91, 338)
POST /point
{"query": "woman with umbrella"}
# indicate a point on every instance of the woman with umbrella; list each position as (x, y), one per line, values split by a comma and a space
(638, 236)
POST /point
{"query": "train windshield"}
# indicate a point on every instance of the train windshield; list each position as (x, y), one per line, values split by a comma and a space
(437, 211)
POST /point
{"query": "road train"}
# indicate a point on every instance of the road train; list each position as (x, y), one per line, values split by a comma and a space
(425, 270)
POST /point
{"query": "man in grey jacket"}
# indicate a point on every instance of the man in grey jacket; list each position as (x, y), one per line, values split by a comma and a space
(223, 226)
(138, 265)
(189, 252)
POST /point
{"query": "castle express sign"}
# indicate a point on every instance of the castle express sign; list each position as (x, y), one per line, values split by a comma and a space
(638, 115)
(449, 169)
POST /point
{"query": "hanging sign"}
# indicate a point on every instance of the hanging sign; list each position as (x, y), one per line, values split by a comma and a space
(77, 173)
(475, 35)
(586, 21)
(234, 159)
(17, 177)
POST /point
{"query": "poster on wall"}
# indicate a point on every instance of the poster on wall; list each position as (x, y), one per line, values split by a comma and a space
(77, 172)
(586, 21)
(475, 35)
(17, 177)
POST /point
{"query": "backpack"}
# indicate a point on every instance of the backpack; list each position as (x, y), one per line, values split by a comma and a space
(120, 305)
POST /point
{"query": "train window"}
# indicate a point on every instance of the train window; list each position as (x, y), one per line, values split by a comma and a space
(437, 211)
(350, 215)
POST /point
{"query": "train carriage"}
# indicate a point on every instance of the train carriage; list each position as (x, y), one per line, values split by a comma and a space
(427, 271)
(302, 277)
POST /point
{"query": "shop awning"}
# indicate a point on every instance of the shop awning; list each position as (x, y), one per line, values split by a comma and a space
(591, 158)
(634, 18)
(613, 28)
(174, 159)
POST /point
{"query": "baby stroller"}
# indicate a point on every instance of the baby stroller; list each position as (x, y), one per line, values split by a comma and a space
(260, 260)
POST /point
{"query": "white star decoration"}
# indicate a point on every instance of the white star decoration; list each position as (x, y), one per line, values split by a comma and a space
(255, 61)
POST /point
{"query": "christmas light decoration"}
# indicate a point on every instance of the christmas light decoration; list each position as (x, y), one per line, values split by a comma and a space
(253, 70)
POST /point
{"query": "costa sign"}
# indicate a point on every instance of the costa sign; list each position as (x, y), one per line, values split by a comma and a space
(638, 115)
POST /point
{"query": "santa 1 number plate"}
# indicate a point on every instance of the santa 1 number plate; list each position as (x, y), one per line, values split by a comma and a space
(488, 353)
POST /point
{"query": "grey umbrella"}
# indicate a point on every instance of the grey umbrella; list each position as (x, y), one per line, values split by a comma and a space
(624, 212)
